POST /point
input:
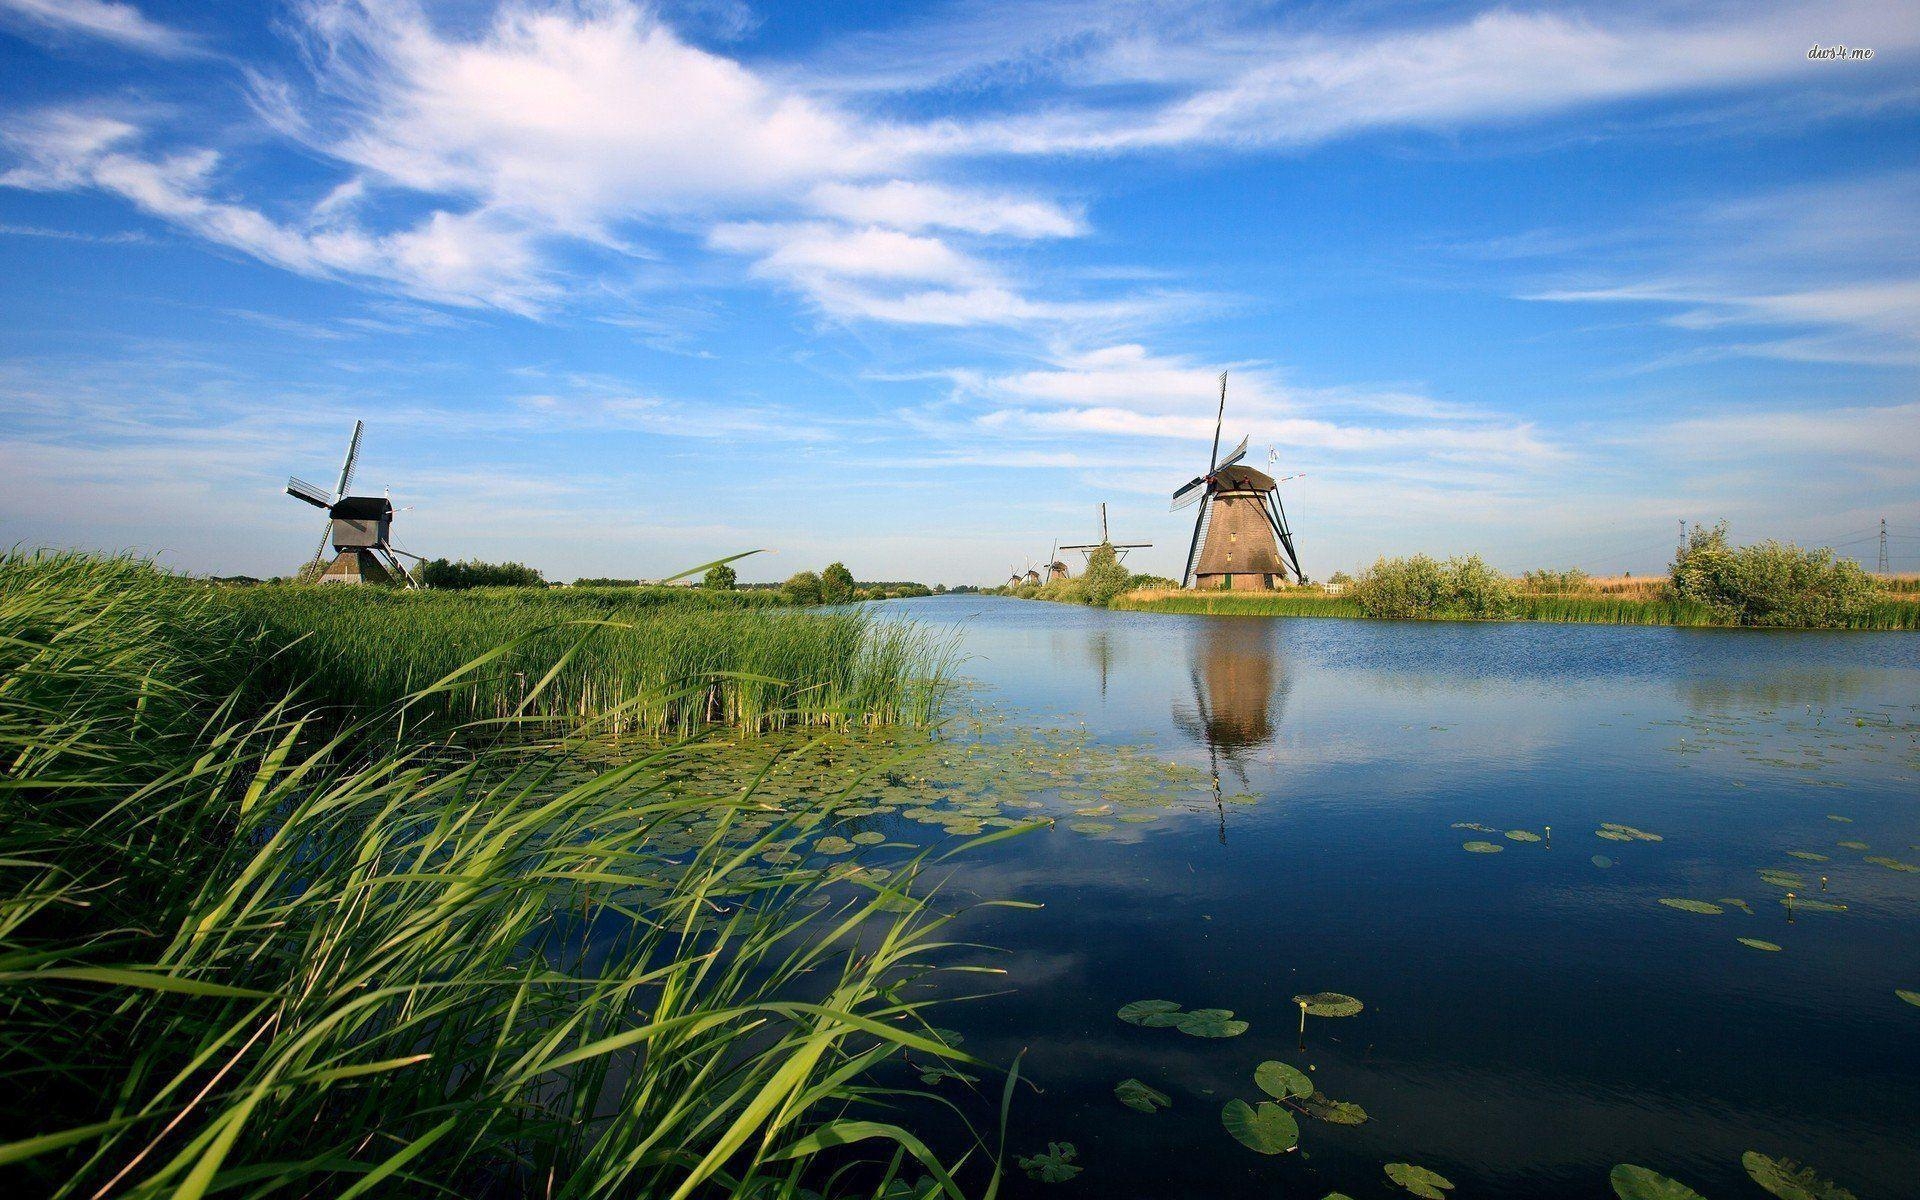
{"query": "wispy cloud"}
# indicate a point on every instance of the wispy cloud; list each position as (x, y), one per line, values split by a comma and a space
(121, 24)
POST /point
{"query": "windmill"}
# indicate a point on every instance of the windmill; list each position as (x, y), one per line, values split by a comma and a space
(1055, 568)
(359, 527)
(1119, 548)
(1240, 534)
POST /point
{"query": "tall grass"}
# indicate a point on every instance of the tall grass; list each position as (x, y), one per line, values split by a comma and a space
(1252, 604)
(247, 950)
(656, 660)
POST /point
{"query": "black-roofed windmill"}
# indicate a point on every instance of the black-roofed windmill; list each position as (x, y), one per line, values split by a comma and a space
(359, 528)
(1240, 535)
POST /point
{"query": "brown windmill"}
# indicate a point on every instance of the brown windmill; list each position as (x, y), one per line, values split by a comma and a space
(1240, 535)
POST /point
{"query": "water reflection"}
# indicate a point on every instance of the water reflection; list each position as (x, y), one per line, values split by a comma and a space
(1240, 685)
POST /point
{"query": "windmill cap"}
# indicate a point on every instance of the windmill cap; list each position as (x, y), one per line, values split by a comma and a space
(1242, 476)
(360, 507)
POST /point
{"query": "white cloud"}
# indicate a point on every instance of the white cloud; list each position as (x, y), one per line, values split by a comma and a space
(122, 24)
(903, 204)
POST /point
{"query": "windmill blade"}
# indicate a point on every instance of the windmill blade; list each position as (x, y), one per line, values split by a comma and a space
(300, 489)
(1190, 491)
(326, 535)
(1239, 452)
(1213, 458)
(353, 457)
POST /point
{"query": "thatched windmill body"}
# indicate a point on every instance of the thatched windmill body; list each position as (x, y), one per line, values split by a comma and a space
(359, 528)
(1240, 535)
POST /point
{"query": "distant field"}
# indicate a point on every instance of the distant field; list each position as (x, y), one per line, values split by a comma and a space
(1624, 602)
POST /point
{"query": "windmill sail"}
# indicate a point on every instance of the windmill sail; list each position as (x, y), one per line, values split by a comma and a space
(1239, 452)
(300, 489)
(353, 457)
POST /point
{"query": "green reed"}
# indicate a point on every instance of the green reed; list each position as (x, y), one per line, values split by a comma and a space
(655, 660)
(245, 948)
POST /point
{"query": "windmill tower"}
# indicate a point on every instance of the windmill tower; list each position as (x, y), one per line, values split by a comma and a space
(1119, 548)
(1246, 540)
(1055, 568)
(360, 528)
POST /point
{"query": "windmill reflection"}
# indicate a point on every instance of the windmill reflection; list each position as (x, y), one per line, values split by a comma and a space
(1239, 695)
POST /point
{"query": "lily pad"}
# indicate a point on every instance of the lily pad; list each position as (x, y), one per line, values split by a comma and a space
(1852, 845)
(1481, 847)
(1638, 1183)
(1334, 1112)
(1210, 1023)
(1476, 826)
(1329, 1004)
(1693, 906)
(1758, 944)
(832, 844)
(1056, 1165)
(1630, 833)
(1789, 1180)
(1522, 835)
(1736, 902)
(1265, 1128)
(1430, 1185)
(1090, 826)
(1602, 861)
(1802, 904)
(1891, 864)
(1838, 817)
(868, 838)
(1152, 1014)
(1139, 1097)
(1912, 998)
(1808, 856)
(1779, 878)
(1281, 1081)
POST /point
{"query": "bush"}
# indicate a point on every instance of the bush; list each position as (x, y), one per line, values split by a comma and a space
(802, 588)
(1543, 580)
(457, 576)
(1105, 578)
(836, 584)
(1424, 587)
(720, 578)
(1770, 583)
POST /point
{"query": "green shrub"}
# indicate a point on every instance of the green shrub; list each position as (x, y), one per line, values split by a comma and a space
(1543, 580)
(836, 584)
(1104, 577)
(458, 576)
(1460, 587)
(1770, 583)
(720, 578)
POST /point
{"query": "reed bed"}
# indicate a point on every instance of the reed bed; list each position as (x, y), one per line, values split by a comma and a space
(663, 660)
(1649, 607)
(246, 949)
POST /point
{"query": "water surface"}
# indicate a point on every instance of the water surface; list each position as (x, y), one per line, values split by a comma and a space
(1532, 1019)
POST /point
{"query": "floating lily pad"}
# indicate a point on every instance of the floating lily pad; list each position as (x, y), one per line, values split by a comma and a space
(1852, 845)
(1481, 847)
(1139, 1097)
(1808, 856)
(1333, 1112)
(1056, 1165)
(1693, 906)
(1476, 826)
(1430, 1185)
(832, 844)
(1802, 904)
(869, 838)
(1789, 1180)
(1638, 1183)
(1522, 835)
(1613, 835)
(1601, 861)
(1153, 1014)
(1281, 1081)
(1912, 998)
(1736, 902)
(1091, 826)
(1329, 1004)
(1838, 817)
(1265, 1128)
(1630, 833)
(1891, 864)
(1210, 1023)
(1778, 878)
(1758, 944)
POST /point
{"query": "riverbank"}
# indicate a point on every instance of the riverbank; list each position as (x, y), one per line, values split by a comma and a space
(272, 932)
(1890, 612)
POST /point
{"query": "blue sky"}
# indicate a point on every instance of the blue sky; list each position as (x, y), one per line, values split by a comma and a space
(620, 287)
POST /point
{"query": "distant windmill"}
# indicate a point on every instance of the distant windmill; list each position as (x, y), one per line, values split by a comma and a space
(1119, 548)
(1243, 523)
(1055, 568)
(358, 527)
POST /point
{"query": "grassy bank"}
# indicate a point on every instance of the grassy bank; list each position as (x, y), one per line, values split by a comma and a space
(249, 946)
(648, 659)
(1886, 613)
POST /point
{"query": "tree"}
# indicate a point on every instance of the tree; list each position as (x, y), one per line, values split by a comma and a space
(720, 578)
(456, 576)
(802, 588)
(1104, 578)
(1769, 583)
(836, 584)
